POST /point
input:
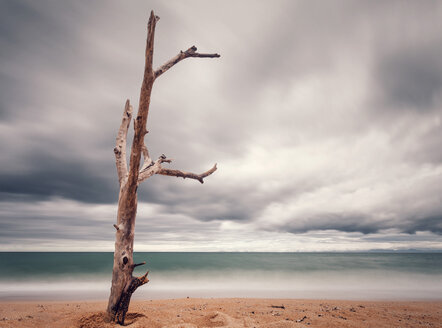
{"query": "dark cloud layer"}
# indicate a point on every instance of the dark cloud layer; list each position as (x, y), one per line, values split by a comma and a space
(321, 116)
(411, 78)
(54, 179)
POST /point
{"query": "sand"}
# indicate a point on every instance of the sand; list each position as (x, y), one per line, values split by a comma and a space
(234, 312)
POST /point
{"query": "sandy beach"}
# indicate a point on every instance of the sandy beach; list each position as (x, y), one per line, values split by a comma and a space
(233, 312)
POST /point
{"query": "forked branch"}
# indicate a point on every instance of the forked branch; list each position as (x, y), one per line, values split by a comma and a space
(191, 52)
(152, 169)
(184, 175)
(156, 168)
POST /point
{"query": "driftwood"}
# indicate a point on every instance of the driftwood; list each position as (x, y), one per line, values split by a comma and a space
(123, 283)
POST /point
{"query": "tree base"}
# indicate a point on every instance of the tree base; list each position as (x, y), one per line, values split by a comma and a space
(117, 313)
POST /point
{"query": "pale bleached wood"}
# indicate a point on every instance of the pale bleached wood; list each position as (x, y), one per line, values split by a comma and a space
(147, 160)
(156, 168)
(191, 52)
(152, 169)
(120, 147)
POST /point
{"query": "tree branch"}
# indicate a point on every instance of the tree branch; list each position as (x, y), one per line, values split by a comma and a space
(142, 280)
(153, 168)
(120, 148)
(143, 109)
(138, 264)
(181, 174)
(191, 52)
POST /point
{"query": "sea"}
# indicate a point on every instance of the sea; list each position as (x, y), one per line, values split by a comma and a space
(346, 276)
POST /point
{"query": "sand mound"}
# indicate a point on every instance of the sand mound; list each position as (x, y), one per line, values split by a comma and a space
(96, 320)
(220, 319)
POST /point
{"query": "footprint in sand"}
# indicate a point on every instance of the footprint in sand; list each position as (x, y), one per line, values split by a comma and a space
(220, 318)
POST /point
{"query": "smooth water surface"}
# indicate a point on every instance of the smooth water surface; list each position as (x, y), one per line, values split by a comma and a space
(58, 275)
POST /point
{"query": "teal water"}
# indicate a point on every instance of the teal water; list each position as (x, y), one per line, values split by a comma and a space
(57, 275)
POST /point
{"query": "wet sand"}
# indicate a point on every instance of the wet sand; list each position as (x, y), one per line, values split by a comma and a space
(227, 312)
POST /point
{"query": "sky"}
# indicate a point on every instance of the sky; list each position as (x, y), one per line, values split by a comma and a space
(324, 118)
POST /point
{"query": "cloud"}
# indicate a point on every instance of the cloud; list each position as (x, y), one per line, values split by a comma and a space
(60, 178)
(322, 117)
(68, 225)
(412, 78)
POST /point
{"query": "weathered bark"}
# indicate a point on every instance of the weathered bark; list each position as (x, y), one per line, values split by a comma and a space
(191, 52)
(123, 283)
(181, 174)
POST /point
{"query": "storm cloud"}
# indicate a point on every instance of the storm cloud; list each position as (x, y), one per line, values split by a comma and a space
(324, 119)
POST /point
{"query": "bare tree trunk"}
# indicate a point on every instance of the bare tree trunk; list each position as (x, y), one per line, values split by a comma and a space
(123, 283)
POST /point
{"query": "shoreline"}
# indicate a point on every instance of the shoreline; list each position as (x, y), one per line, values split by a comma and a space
(226, 312)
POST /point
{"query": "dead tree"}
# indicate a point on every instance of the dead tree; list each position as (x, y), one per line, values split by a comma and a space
(123, 283)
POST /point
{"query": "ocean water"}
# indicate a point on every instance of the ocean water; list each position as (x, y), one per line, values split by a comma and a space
(374, 276)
